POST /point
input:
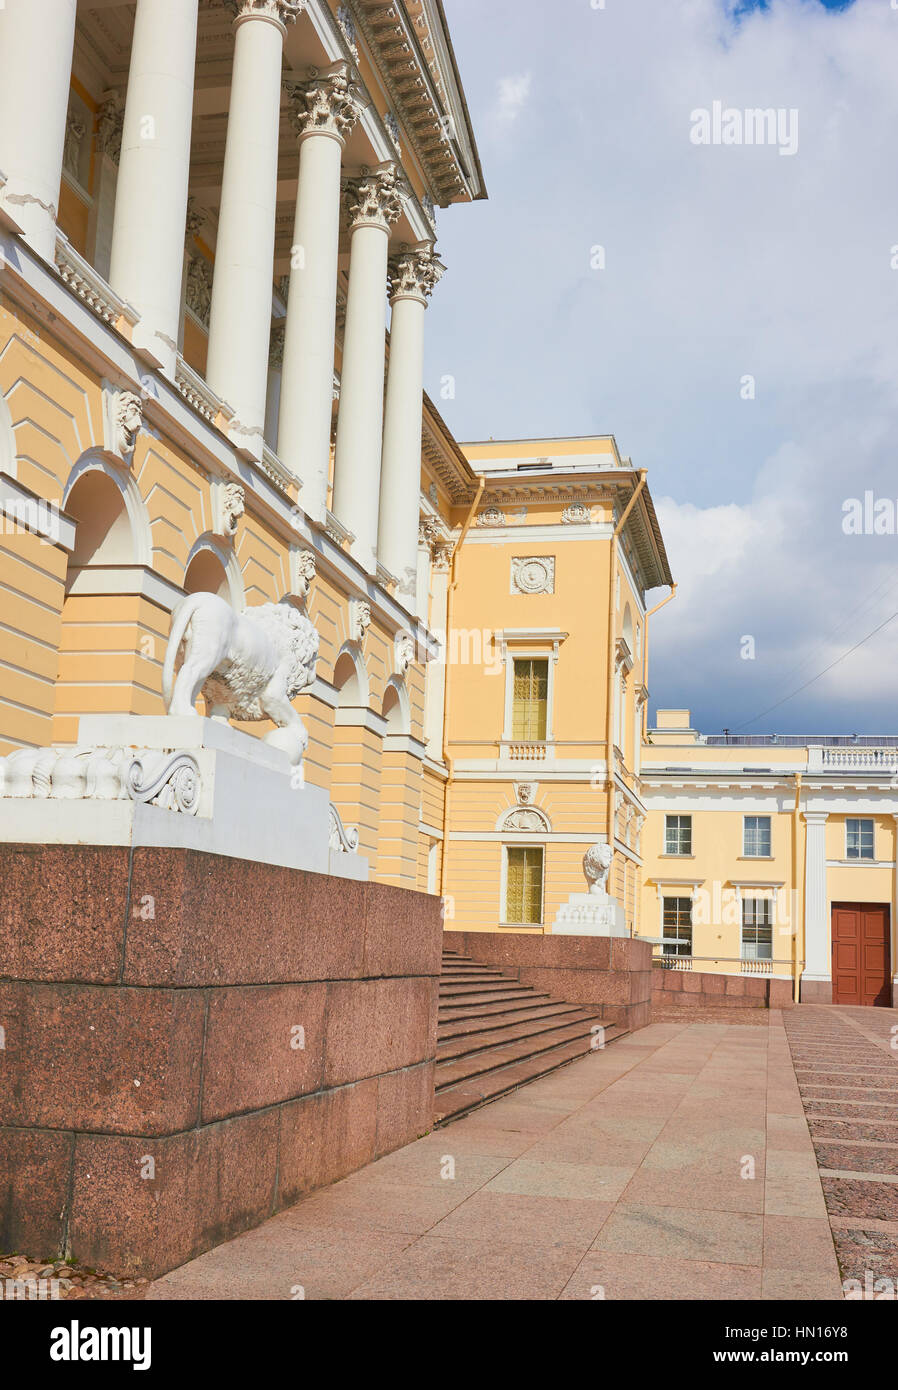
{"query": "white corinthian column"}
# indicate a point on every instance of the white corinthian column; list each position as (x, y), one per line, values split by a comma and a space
(413, 275)
(147, 261)
(374, 204)
(240, 316)
(324, 113)
(36, 44)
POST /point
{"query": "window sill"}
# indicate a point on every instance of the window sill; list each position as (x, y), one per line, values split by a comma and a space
(753, 858)
(667, 855)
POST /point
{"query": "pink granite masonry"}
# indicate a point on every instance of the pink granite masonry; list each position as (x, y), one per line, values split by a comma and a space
(194, 1042)
(613, 973)
(699, 989)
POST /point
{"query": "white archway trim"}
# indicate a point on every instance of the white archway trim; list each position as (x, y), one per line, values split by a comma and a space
(229, 563)
(99, 461)
(8, 457)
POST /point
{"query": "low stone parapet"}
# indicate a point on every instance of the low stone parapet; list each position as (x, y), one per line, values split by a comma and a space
(703, 989)
(192, 1042)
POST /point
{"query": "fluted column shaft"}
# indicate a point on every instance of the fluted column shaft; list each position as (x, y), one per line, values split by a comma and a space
(413, 275)
(325, 113)
(240, 316)
(374, 205)
(147, 261)
(36, 45)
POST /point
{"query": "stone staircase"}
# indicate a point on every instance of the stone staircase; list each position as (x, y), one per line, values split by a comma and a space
(495, 1034)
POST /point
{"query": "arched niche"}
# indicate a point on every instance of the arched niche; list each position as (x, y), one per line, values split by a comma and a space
(103, 610)
(213, 569)
(112, 525)
(396, 709)
(351, 678)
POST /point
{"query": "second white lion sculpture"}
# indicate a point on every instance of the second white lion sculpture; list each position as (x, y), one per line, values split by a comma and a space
(597, 863)
(247, 665)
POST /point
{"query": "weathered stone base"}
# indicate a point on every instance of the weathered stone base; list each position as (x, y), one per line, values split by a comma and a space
(816, 991)
(611, 972)
(702, 989)
(193, 1041)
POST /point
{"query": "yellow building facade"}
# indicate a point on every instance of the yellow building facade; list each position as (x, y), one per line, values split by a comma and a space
(201, 229)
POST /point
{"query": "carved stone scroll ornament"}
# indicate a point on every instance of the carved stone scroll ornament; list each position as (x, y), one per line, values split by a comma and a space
(359, 618)
(326, 105)
(110, 124)
(491, 516)
(343, 838)
(374, 199)
(169, 780)
(414, 273)
(525, 818)
(533, 574)
(233, 507)
(284, 11)
(127, 422)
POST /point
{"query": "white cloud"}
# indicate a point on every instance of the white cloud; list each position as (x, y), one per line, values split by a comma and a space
(720, 262)
(511, 98)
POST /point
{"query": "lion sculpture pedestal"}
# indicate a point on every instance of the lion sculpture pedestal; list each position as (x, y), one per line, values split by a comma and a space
(171, 781)
(594, 913)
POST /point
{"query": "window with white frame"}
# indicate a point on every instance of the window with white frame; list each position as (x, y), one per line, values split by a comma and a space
(756, 837)
(676, 927)
(757, 928)
(677, 834)
(858, 838)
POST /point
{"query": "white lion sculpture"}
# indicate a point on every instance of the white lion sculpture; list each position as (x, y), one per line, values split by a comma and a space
(247, 665)
(597, 863)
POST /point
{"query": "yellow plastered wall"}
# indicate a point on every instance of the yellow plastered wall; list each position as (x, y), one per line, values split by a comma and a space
(62, 656)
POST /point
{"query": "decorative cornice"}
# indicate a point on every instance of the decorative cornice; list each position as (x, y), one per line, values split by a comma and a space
(414, 273)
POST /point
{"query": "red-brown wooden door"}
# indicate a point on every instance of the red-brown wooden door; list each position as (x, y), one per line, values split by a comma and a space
(861, 957)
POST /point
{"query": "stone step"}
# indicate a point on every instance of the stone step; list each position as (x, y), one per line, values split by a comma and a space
(486, 998)
(460, 1099)
(472, 1044)
(469, 1024)
(494, 1035)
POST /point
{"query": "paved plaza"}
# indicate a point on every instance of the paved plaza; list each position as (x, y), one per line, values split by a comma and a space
(677, 1163)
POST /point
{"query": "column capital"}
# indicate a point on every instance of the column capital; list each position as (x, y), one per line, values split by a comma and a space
(815, 817)
(374, 198)
(328, 103)
(281, 12)
(414, 273)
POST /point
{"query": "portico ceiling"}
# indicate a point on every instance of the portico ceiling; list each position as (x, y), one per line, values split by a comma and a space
(412, 55)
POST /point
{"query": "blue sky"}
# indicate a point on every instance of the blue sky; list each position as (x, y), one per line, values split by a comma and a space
(722, 264)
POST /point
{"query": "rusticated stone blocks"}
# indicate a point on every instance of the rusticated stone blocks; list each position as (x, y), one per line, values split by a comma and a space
(193, 1042)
